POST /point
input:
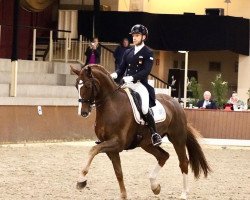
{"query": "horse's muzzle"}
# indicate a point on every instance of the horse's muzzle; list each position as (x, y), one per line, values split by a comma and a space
(84, 114)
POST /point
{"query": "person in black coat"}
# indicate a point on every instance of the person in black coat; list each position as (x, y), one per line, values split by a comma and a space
(134, 69)
(119, 51)
(206, 103)
(93, 52)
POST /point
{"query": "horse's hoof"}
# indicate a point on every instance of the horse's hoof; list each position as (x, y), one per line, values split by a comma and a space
(123, 197)
(157, 190)
(183, 196)
(81, 185)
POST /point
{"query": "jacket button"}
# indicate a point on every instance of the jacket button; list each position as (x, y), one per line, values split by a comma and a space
(128, 69)
(128, 64)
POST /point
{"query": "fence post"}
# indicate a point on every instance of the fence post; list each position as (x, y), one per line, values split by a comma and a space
(50, 45)
(66, 47)
(80, 48)
(34, 45)
(69, 41)
(13, 85)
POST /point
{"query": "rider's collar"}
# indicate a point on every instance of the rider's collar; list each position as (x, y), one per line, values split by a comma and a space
(139, 47)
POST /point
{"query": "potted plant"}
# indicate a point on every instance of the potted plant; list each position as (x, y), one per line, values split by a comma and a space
(219, 90)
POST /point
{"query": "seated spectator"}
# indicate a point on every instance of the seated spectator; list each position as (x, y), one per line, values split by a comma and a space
(206, 103)
(235, 101)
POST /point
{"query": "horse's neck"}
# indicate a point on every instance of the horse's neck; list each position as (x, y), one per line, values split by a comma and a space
(107, 87)
(111, 103)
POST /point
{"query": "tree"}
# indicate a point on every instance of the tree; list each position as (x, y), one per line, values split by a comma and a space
(219, 90)
(196, 90)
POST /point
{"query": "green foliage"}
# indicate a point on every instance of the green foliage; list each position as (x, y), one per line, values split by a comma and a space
(248, 100)
(219, 89)
(248, 93)
(196, 90)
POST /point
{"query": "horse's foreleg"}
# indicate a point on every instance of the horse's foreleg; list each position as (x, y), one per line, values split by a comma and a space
(161, 157)
(115, 158)
(106, 146)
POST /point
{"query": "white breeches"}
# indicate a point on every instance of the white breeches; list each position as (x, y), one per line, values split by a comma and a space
(143, 92)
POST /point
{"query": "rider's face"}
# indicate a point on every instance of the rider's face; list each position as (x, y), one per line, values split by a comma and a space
(138, 38)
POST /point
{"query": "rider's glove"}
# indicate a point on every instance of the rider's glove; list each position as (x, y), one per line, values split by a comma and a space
(114, 75)
(128, 79)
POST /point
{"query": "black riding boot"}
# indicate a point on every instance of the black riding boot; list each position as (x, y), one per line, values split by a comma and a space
(156, 138)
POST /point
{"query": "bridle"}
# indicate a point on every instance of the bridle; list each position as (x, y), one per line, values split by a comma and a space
(92, 99)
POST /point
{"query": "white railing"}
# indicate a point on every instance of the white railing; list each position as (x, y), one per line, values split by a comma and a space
(68, 50)
(74, 50)
(67, 43)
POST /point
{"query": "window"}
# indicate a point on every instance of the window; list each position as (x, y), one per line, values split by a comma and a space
(214, 66)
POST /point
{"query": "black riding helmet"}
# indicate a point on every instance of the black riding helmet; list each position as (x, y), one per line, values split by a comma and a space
(138, 28)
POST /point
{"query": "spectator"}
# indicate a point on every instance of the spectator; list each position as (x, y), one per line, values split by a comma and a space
(93, 52)
(237, 103)
(207, 103)
(119, 51)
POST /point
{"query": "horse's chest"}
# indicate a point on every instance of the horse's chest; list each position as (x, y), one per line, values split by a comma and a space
(100, 130)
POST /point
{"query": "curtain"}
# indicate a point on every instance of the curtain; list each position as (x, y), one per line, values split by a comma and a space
(171, 32)
(35, 5)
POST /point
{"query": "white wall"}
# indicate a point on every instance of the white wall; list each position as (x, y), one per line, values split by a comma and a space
(199, 61)
(244, 80)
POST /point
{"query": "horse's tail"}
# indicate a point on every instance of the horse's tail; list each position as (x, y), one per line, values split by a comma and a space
(197, 158)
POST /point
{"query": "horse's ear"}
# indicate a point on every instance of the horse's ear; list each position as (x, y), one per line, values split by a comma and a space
(76, 71)
(89, 71)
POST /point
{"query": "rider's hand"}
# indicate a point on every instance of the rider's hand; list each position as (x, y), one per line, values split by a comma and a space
(114, 75)
(128, 79)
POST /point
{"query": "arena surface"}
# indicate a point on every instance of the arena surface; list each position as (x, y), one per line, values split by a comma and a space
(50, 170)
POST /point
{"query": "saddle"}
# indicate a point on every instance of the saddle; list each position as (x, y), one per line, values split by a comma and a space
(158, 110)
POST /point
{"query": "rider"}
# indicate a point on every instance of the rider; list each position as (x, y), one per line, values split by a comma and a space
(135, 67)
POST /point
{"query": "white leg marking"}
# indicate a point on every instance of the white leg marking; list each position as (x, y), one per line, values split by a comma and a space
(79, 97)
(153, 175)
(81, 178)
(185, 191)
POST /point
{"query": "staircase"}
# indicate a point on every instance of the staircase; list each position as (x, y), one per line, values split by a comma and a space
(38, 83)
(42, 49)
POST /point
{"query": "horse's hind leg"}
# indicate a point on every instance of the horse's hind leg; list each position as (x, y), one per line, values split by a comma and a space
(183, 164)
(161, 157)
(115, 158)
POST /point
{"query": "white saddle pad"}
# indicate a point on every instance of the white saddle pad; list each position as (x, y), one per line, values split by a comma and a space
(158, 110)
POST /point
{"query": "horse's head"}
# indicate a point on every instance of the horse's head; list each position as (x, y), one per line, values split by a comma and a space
(88, 87)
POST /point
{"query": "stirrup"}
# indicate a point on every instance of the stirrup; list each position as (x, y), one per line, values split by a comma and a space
(98, 142)
(156, 139)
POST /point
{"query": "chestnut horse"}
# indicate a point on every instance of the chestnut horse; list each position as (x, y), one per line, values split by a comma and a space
(117, 129)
